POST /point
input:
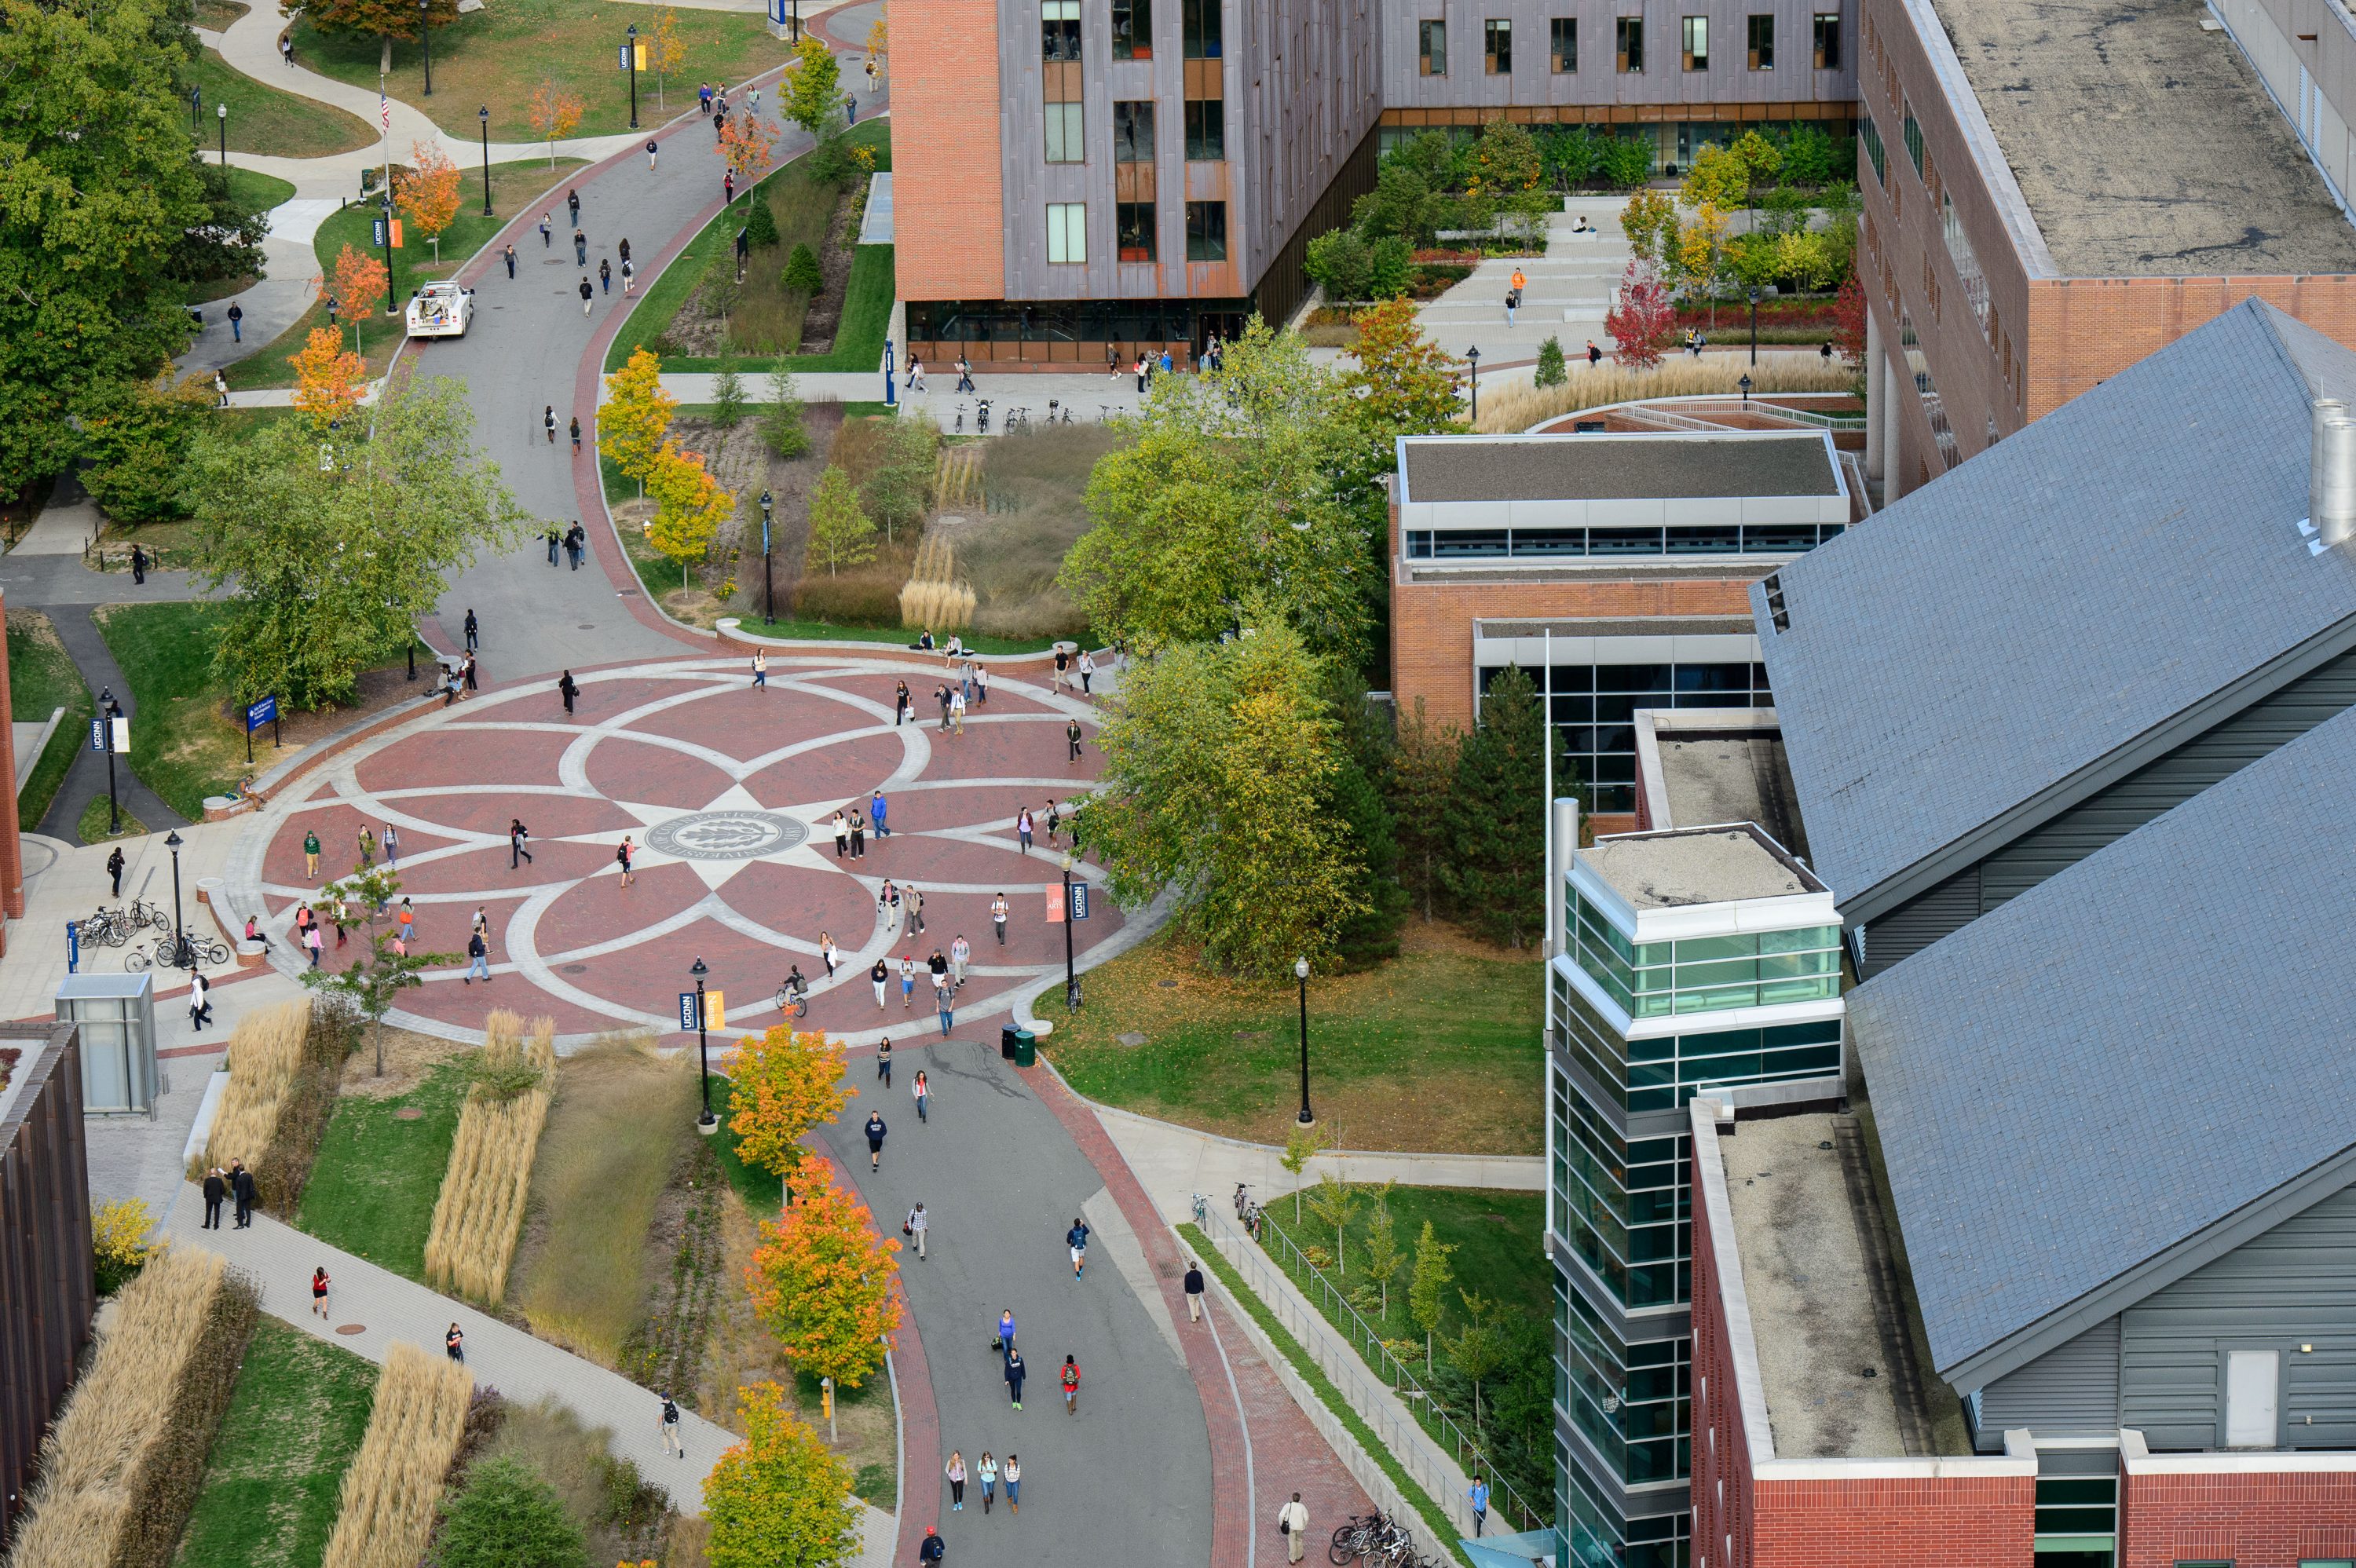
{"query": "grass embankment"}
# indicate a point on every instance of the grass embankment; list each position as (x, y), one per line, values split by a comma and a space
(262, 118)
(293, 1425)
(804, 209)
(514, 187)
(41, 679)
(1499, 1251)
(372, 1188)
(1439, 1049)
(498, 56)
(181, 746)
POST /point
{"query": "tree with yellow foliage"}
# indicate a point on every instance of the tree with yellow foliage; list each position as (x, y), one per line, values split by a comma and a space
(690, 506)
(1650, 221)
(1701, 251)
(825, 1284)
(778, 1495)
(554, 110)
(636, 421)
(329, 379)
(665, 51)
(780, 1085)
(428, 191)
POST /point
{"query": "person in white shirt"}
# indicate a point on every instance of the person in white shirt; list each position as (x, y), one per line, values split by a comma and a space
(1292, 1519)
(961, 954)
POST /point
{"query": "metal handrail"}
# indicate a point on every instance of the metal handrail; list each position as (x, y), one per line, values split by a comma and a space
(1402, 1384)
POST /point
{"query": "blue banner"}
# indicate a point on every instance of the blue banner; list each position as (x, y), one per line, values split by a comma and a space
(687, 1010)
(1079, 901)
(257, 714)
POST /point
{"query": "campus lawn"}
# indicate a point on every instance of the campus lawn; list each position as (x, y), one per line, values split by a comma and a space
(372, 1188)
(804, 209)
(264, 191)
(180, 744)
(1439, 1049)
(262, 119)
(498, 56)
(42, 679)
(293, 1425)
(97, 818)
(515, 187)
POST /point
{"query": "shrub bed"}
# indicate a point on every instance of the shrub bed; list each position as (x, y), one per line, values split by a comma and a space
(479, 1214)
(414, 1433)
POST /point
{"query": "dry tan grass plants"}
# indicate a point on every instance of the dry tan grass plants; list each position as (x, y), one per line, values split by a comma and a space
(1517, 409)
(932, 595)
(479, 1213)
(122, 1466)
(386, 1513)
(284, 1064)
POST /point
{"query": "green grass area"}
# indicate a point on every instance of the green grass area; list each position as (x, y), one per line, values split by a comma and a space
(41, 679)
(262, 118)
(1442, 1534)
(1497, 1234)
(96, 818)
(262, 190)
(498, 56)
(372, 1188)
(181, 746)
(293, 1425)
(1436, 1050)
(802, 205)
(215, 16)
(516, 186)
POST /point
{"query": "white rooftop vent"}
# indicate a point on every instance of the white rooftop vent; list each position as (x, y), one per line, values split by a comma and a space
(2332, 476)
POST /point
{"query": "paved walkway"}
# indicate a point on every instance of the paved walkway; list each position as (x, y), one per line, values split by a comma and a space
(86, 779)
(1568, 290)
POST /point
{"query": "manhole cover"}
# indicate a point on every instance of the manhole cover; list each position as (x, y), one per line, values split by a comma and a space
(351, 1327)
(409, 1114)
(585, 627)
(1131, 1039)
(577, 968)
(1167, 984)
(727, 835)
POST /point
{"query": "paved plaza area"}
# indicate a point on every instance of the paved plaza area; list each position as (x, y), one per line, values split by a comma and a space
(727, 794)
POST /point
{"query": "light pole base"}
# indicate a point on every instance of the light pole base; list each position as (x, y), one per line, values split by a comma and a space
(707, 1123)
(1305, 1120)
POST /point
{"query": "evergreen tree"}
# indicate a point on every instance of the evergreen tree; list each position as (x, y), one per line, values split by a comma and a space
(507, 1517)
(782, 424)
(1498, 874)
(803, 274)
(1354, 798)
(1419, 783)
(728, 394)
(1550, 371)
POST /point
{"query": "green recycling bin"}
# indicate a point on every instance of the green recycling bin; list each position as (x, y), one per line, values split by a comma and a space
(1026, 1049)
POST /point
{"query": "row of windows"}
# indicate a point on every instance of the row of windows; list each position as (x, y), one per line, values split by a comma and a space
(1555, 543)
(1659, 979)
(1562, 40)
(1623, 1204)
(1135, 228)
(1596, 1536)
(1205, 125)
(1199, 30)
(1604, 760)
(1664, 1073)
(1077, 321)
(1632, 1401)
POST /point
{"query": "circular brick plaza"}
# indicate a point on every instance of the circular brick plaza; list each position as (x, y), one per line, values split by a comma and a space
(729, 794)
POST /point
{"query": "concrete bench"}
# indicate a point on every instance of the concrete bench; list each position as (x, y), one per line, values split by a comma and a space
(249, 954)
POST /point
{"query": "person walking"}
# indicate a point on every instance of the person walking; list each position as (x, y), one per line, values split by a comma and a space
(858, 835)
(907, 983)
(554, 539)
(930, 1549)
(941, 696)
(915, 1225)
(576, 435)
(955, 1470)
(547, 228)
(1292, 1523)
(728, 194)
(604, 286)
(916, 901)
(392, 847)
(312, 942)
(1022, 828)
(138, 565)
(475, 627)
(572, 206)
(1594, 355)
(876, 808)
(1478, 1494)
(923, 1090)
(286, 49)
(241, 1187)
(961, 954)
(454, 1345)
(1005, 1332)
(988, 1470)
(828, 951)
(236, 322)
(568, 688)
(319, 1292)
(1014, 1484)
(1087, 672)
(957, 711)
(883, 1054)
(221, 389)
(651, 150)
(1072, 741)
(1076, 1238)
(216, 1192)
(902, 705)
(875, 1129)
(1140, 375)
(703, 99)
(760, 668)
(980, 685)
(114, 865)
(509, 255)
(623, 854)
(1194, 1291)
(882, 975)
(588, 297)
(1063, 675)
(519, 835)
(1014, 1373)
(580, 248)
(998, 918)
(478, 959)
(629, 278)
(946, 1001)
(467, 671)
(841, 835)
(669, 1423)
(548, 421)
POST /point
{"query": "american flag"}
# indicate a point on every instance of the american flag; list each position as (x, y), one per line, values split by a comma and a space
(384, 108)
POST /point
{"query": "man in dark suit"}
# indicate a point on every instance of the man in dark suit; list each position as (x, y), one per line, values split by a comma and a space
(240, 1183)
(215, 1190)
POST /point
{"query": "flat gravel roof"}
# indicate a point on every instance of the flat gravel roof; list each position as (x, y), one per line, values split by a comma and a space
(2145, 147)
(1618, 467)
(1676, 869)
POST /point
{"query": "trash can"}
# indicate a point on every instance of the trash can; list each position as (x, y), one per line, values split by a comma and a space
(1026, 1048)
(1006, 1037)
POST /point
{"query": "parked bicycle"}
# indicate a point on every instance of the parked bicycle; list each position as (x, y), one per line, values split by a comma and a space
(107, 928)
(1375, 1536)
(158, 953)
(144, 913)
(1202, 1209)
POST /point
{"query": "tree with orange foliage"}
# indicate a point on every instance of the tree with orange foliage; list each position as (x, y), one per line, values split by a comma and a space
(780, 1085)
(554, 110)
(329, 379)
(744, 147)
(428, 191)
(354, 282)
(826, 1284)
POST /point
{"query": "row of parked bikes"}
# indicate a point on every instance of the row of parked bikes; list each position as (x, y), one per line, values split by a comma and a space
(118, 926)
(1378, 1539)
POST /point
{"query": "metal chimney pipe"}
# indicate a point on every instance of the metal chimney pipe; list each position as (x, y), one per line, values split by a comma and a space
(1564, 842)
(2332, 507)
(2321, 411)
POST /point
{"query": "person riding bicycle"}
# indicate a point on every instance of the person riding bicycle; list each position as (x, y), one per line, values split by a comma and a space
(796, 987)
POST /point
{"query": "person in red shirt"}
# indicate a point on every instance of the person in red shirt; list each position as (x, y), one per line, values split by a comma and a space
(1071, 1386)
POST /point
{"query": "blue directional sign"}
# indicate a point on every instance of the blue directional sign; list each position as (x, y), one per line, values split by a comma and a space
(257, 714)
(1079, 901)
(687, 1010)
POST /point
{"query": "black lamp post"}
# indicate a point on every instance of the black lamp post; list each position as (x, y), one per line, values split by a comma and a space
(484, 114)
(425, 36)
(706, 1124)
(388, 253)
(222, 109)
(630, 51)
(798, 21)
(1745, 385)
(1071, 978)
(1754, 325)
(196, 110)
(1472, 357)
(181, 957)
(768, 582)
(1301, 972)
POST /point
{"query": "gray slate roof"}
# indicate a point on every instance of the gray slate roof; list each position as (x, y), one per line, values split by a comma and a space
(1651, 465)
(2142, 1045)
(2088, 579)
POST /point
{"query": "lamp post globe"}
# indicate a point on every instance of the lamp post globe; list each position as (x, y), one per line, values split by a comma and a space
(1472, 357)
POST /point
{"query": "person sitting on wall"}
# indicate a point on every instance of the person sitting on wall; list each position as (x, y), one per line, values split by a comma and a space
(924, 643)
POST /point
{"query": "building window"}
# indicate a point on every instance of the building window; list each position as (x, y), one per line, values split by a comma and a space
(1206, 130)
(1565, 44)
(1914, 139)
(1064, 134)
(1870, 134)
(1701, 974)
(1828, 55)
(1762, 43)
(1431, 48)
(1134, 223)
(1498, 48)
(1133, 131)
(1630, 41)
(1059, 29)
(1067, 232)
(1199, 22)
(1595, 708)
(1697, 43)
(1207, 231)
(1132, 29)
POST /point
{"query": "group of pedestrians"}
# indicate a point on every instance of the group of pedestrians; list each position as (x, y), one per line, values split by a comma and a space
(1063, 817)
(606, 264)
(220, 1186)
(574, 540)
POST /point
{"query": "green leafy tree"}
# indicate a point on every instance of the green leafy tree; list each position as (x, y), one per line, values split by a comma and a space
(1808, 156)
(900, 491)
(226, 243)
(505, 1516)
(1761, 160)
(1432, 1274)
(1399, 207)
(839, 533)
(99, 195)
(728, 395)
(329, 551)
(373, 982)
(1385, 1256)
(1219, 759)
(1419, 783)
(1391, 268)
(1628, 160)
(1718, 176)
(1302, 1144)
(1403, 383)
(1430, 155)
(1573, 155)
(813, 94)
(1481, 1345)
(1506, 158)
(781, 418)
(803, 275)
(778, 1495)
(1552, 370)
(1498, 875)
(1341, 263)
(1336, 1202)
(136, 439)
